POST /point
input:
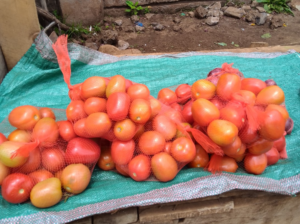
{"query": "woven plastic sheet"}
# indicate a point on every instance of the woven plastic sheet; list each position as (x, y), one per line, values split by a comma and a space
(37, 80)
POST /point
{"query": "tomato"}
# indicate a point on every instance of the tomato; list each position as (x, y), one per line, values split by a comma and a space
(46, 132)
(183, 150)
(66, 130)
(106, 162)
(255, 164)
(75, 178)
(155, 106)
(260, 146)
(186, 112)
(46, 112)
(176, 107)
(58, 174)
(167, 148)
(152, 142)
(167, 96)
(7, 149)
(234, 148)
(139, 168)
(82, 150)
(24, 117)
(97, 124)
(75, 92)
(124, 130)
(164, 167)
(183, 91)
(228, 165)
(117, 84)
(2, 138)
(218, 102)
(46, 193)
(32, 164)
(273, 126)
(80, 128)
(174, 115)
(179, 133)
(122, 152)
(4, 172)
(281, 109)
(53, 159)
(138, 91)
(223, 133)
(94, 86)
(122, 169)
(270, 95)
(140, 130)
(272, 156)
(40, 175)
(165, 126)
(19, 136)
(234, 113)
(239, 156)
(94, 105)
(128, 83)
(228, 84)
(140, 111)
(247, 135)
(118, 106)
(201, 159)
(75, 110)
(280, 144)
(16, 188)
(203, 89)
(252, 84)
(204, 112)
(245, 96)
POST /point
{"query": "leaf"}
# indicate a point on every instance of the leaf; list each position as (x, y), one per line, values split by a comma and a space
(232, 43)
(221, 44)
(236, 45)
(136, 4)
(139, 8)
(266, 35)
(127, 10)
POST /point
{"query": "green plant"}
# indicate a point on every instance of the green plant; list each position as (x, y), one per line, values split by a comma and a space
(276, 5)
(97, 27)
(77, 30)
(147, 9)
(55, 13)
(135, 8)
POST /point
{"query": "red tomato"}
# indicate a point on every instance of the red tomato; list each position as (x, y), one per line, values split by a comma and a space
(117, 84)
(75, 110)
(118, 106)
(16, 188)
(176, 107)
(164, 167)
(167, 96)
(281, 109)
(186, 112)
(124, 130)
(122, 169)
(218, 102)
(245, 96)
(46, 112)
(239, 156)
(204, 112)
(183, 91)
(253, 85)
(32, 164)
(122, 152)
(228, 165)
(270, 95)
(273, 126)
(223, 133)
(53, 159)
(228, 84)
(247, 135)
(94, 86)
(80, 128)
(201, 159)
(4, 172)
(138, 91)
(174, 115)
(183, 150)
(203, 89)
(106, 162)
(7, 149)
(66, 130)
(165, 126)
(75, 92)
(97, 124)
(167, 148)
(139, 168)
(155, 106)
(234, 148)
(272, 156)
(255, 164)
(140, 111)
(40, 175)
(24, 117)
(152, 142)
(260, 146)
(82, 150)
(234, 113)
(46, 132)
(280, 144)
(94, 105)
(19, 136)
(128, 83)
(2, 138)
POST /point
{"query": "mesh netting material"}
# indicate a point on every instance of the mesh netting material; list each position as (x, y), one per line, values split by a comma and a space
(37, 80)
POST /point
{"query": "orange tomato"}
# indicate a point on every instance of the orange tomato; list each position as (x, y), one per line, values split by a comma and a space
(281, 109)
(46, 131)
(80, 128)
(140, 111)
(228, 84)
(204, 112)
(260, 146)
(7, 149)
(122, 152)
(255, 164)
(247, 135)
(19, 136)
(138, 91)
(203, 89)
(32, 164)
(270, 95)
(46, 112)
(124, 130)
(167, 148)
(167, 96)
(117, 84)
(94, 86)
(106, 162)
(97, 124)
(248, 97)
(201, 159)
(24, 117)
(94, 105)
(151, 142)
(40, 175)
(139, 168)
(234, 113)
(53, 159)
(155, 106)
(183, 150)
(164, 167)
(272, 156)
(75, 110)
(66, 130)
(252, 84)
(2, 138)
(4, 172)
(165, 126)
(234, 148)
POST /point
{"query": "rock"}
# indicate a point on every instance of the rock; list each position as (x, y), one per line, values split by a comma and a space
(134, 18)
(149, 15)
(201, 12)
(213, 13)
(295, 5)
(159, 27)
(139, 28)
(93, 46)
(230, 3)
(224, 8)
(123, 45)
(130, 51)
(109, 49)
(154, 23)
(118, 22)
(246, 7)
(109, 37)
(260, 18)
(221, 13)
(260, 9)
(212, 20)
(128, 29)
(176, 28)
(276, 22)
(53, 37)
(254, 4)
(234, 12)
(259, 44)
(216, 6)
(176, 20)
(250, 16)
(191, 14)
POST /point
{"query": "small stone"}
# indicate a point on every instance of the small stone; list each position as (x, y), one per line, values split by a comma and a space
(246, 7)
(159, 27)
(295, 5)
(92, 46)
(254, 4)
(224, 8)
(139, 28)
(128, 29)
(176, 28)
(149, 15)
(230, 3)
(191, 14)
(177, 20)
(134, 18)
(250, 16)
(53, 37)
(109, 49)
(154, 23)
(221, 13)
(259, 44)
(212, 20)
(276, 22)
(118, 22)
(109, 37)
(260, 9)
(234, 12)
(216, 6)
(260, 19)
(201, 12)
(123, 45)
(213, 13)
